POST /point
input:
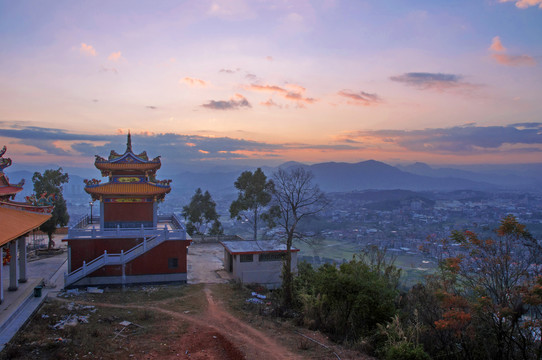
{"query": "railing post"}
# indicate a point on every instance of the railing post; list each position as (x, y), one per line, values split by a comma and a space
(142, 231)
(144, 244)
(93, 232)
(118, 230)
(122, 256)
(84, 268)
(105, 257)
(165, 233)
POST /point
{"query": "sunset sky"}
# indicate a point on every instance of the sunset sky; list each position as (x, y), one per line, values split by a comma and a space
(263, 82)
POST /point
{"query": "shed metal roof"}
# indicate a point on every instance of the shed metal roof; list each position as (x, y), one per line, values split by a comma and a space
(255, 247)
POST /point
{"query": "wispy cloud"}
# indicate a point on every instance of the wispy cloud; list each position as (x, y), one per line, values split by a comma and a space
(229, 71)
(237, 102)
(292, 92)
(270, 103)
(106, 69)
(116, 56)
(151, 107)
(524, 4)
(434, 81)
(514, 60)
(231, 10)
(360, 98)
(193, 81)
(87, 50)
(499, 55)
(496, 44)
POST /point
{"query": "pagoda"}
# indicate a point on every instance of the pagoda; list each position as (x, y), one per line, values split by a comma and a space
(17, 220)
(7, 190)
(133, 244)
(129, 199)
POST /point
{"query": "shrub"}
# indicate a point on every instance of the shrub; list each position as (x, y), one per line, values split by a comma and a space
(406, 351)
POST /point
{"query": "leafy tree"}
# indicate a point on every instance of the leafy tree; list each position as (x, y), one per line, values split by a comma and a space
(199, 213)
(255, 193)
(349, 301)
(50, 182)
(488, 295)
(296, 197)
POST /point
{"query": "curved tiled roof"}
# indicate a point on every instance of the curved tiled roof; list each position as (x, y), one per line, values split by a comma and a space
(9, 190)
(120, 189)
(107, 166)
(15, 223)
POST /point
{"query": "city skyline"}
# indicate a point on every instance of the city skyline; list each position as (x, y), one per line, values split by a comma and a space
(271, 81)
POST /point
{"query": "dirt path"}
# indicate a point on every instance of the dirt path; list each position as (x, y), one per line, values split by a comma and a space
(255, 344)
(214, 334)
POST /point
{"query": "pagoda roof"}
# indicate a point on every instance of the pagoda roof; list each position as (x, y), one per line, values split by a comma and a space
(17, 219)
(128, 189)
(108, 166)
(127, 161)
(7, 189)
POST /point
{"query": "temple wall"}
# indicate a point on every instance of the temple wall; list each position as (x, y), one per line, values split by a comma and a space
(156, 261)
(90, 249)
(128, 214)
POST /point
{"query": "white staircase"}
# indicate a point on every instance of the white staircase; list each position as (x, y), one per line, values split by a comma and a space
(115, 259)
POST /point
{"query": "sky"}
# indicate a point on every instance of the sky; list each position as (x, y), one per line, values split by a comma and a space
(262, 82)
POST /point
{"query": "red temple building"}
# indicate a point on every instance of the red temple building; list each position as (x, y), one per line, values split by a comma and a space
(17, 220)
(132, 243)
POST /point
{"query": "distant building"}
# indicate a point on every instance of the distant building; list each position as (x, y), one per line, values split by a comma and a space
(132, 244)
(257, 261)
(17, 220)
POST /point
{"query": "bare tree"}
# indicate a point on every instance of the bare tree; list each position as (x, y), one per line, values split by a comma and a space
(296, 197)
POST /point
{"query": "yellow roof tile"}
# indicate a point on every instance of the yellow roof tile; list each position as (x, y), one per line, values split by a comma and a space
(127, 189)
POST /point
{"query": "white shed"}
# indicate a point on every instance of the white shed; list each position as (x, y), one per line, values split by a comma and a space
(257, 261)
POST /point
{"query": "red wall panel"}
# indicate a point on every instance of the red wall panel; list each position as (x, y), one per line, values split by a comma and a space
(155, 261)
(128, 211)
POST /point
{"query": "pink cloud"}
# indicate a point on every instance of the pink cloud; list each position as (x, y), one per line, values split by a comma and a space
(362, 98)
(496, 44)
(193, 81)
(270, 103)
(272, 88)
(514, 60)
(116, 56)
(293, 93)
(509, 60)
(524, 4)
(87, 50)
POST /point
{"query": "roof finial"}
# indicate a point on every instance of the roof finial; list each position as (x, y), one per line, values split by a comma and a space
(129, 143)
(4, 162)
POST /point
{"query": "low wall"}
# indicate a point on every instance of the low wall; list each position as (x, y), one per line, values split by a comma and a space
(58, 231)
(207, 239)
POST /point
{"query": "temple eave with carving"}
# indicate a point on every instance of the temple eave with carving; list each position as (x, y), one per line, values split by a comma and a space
(142, 189)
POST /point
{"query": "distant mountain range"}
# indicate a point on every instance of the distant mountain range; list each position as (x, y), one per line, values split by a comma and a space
(338, 177)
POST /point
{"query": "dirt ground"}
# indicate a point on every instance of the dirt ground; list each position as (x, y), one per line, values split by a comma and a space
(206, 264)
(210, 321)
(207, 319)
